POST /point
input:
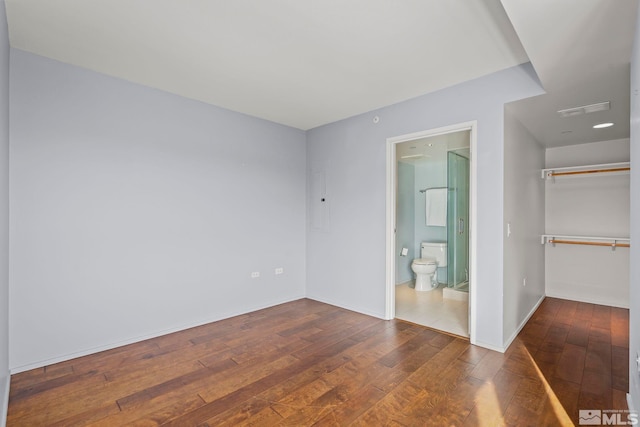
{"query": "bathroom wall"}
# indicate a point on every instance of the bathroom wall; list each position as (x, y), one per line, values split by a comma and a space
(135, 212)
(4, 215)
(352, 154)
(405, 224)
(429, 173)
(588, 205)
(524, 281)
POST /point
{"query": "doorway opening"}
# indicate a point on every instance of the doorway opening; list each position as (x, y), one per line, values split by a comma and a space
(430, 233)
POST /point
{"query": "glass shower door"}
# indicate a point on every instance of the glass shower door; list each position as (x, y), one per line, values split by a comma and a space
(457, 221)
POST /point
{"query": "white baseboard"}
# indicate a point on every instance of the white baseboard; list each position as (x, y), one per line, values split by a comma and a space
(408, 283)
(582, 298)
(489, 346)
(347, 307)
(524, 322)
(5, 401)
(63, 358)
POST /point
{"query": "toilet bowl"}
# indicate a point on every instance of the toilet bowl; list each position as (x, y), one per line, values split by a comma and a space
(426, 272)
(432, 256)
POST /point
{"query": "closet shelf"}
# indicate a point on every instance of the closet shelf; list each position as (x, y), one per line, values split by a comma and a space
(586, 170)
(613, 242)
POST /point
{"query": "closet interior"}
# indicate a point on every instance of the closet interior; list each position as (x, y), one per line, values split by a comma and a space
(586, 234)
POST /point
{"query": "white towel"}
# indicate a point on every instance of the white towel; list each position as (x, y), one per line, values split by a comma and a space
(436, 207)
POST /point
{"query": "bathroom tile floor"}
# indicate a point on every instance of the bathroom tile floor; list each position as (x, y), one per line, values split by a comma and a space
(431, 310)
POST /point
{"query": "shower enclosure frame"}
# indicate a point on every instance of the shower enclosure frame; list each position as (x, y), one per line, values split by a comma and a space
(457, 219)
(391, 216)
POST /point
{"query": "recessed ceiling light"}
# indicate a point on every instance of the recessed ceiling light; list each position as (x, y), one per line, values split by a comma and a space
(602, 125)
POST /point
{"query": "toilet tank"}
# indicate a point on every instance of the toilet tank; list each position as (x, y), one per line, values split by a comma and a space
(437, 250)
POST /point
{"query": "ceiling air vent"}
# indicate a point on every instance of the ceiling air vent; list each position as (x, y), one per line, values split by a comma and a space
(585, 109)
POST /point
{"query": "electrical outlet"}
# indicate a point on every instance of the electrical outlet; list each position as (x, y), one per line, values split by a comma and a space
(279, 270)
(255, 274)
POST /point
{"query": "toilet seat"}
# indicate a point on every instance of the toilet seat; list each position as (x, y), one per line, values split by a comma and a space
(425, 261)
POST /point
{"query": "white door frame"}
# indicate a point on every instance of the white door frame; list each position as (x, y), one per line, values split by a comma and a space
(391, 215)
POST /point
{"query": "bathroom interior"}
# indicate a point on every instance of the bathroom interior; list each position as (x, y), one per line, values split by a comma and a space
(432, 232)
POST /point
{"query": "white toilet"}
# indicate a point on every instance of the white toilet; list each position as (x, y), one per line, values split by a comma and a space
(432, 256)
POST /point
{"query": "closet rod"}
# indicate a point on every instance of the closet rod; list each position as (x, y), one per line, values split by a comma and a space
(589, 171)
(575, 242)
(550, 172)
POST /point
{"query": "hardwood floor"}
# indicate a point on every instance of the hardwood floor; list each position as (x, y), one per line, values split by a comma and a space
(306, 363)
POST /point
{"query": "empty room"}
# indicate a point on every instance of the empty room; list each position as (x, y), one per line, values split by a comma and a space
(319, 213)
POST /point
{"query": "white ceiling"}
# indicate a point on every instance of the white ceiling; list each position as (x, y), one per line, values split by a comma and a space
(299, 63)
(308, 63)
(433, 148)
(581, 51)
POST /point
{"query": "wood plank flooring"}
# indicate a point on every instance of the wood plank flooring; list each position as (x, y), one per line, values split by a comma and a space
(306, 363)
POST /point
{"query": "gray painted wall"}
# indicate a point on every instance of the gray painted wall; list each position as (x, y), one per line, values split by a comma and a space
(524, 200)
(352, 154)
(634, 276)
(135, 212)
(4, 213)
